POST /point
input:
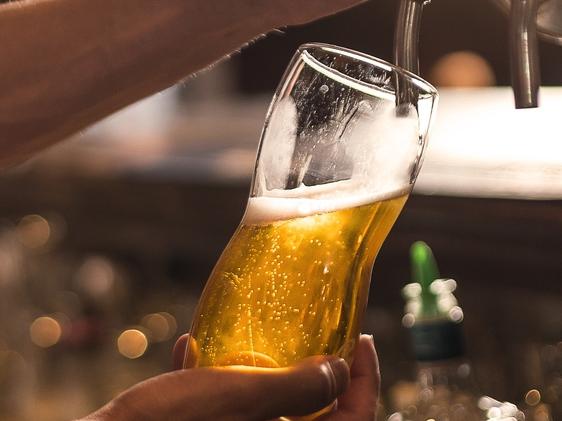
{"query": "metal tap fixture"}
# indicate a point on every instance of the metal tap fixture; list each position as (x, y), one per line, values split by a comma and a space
(406, 42)
(524, 53)
(529, 19)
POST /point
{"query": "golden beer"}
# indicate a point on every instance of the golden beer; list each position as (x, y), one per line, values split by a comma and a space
(293, 282)
(339, 153)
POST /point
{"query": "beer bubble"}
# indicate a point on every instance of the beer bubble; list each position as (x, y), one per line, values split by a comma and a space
(287, 304)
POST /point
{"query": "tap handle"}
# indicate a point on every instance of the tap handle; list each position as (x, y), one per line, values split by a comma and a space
(406, 50)
(407, 34)
(524, 56)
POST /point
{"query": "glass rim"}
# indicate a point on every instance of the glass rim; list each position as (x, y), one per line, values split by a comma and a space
(306, 54)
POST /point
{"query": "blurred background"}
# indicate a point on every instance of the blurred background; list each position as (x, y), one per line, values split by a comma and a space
(107, 240)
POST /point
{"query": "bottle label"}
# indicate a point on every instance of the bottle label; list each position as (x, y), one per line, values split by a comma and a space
(437, 340)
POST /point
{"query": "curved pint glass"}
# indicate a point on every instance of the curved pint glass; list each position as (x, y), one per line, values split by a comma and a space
(338, 156)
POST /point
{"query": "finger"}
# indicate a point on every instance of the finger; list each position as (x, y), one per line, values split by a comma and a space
(246, 393)
(305, 388)
(298, 12)
(185, 353)
(178, 354)
(360, 400)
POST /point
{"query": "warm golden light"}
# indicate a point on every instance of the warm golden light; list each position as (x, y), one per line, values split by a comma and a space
(132, 343)
(462, 69)
(248, 358)
(542, 413)
(45, 332)
(162, 326)
(284, 289)
(533, 397)
(33, 231)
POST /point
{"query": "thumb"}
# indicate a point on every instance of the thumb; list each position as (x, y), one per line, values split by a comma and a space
(247, 393)
(305, 388)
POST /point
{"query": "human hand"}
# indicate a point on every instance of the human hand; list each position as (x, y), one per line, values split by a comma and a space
(249, 393)
(298, 12)
(65, 74)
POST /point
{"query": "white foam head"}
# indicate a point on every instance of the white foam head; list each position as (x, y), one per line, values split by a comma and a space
(280, 205)
(378, 150)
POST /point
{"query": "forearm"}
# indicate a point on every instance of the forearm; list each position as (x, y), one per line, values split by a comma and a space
(68, 63)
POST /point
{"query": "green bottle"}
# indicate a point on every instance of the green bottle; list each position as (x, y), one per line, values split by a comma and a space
(424, 272)
(445, 387)
(432, 311)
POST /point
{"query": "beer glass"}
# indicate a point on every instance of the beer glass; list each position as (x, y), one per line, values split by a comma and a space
(338, 156)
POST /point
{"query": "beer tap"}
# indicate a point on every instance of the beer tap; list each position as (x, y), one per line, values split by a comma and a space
(524, 54)
(528, 20)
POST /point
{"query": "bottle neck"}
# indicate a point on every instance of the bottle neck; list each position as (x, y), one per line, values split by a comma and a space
(438, 339)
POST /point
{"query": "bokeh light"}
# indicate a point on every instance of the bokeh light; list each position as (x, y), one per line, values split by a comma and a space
(162, 326)
(408, 320)
(486, 402)
(494, 413)
(33, 231)
(462, 69)
(132, 343)
(412, 290)
(10, 264)
(456, 314)
(533, 397)
(96, 276)
(45, 332)
(542, 412)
